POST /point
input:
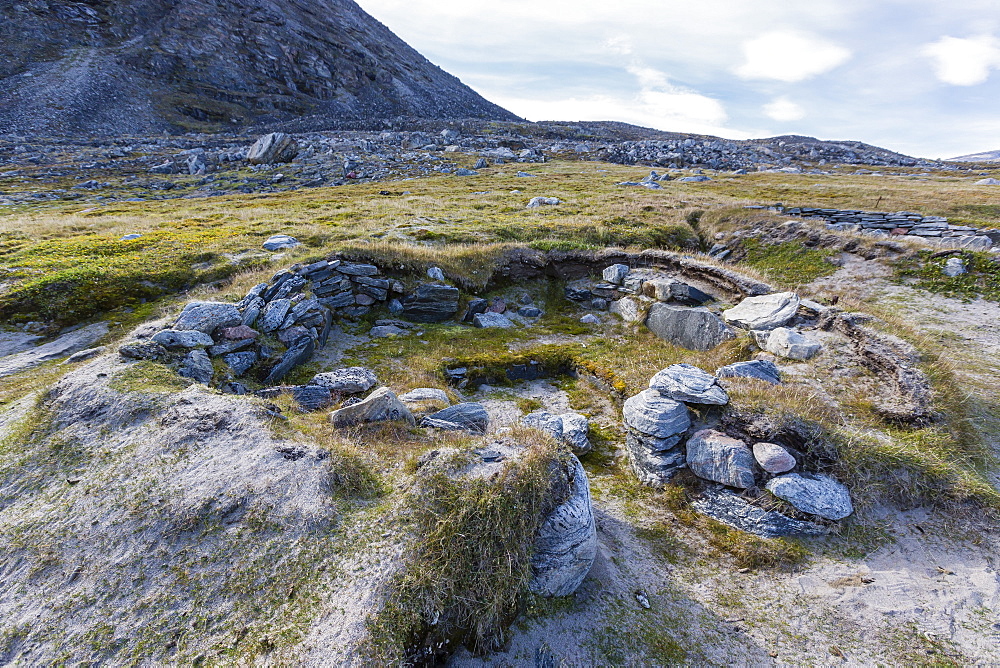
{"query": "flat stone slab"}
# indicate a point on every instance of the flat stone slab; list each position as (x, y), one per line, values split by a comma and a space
(350, 380)
(655, 415)
(690, 328)
(689, 384)
(67, 344)
(813, 493)
(763, 312)
(733, 510)
(206, 316)
(763, 370)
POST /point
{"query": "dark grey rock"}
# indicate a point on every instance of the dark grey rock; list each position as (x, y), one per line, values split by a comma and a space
(300, 353)
(358, 269)
(197, 366)
(529, 312)
(759, 369)
(279, 242)
(715, 456)
(240, 363)
(490, 320)
(143, 350)
(654, 460)
(733, 510)
(431, 303)
(312, 397)
(475, 307)
(274, 314)
(469, 416)
(691, 328)
(172, 338)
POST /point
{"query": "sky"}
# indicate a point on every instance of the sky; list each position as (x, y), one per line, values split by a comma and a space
(921, 77)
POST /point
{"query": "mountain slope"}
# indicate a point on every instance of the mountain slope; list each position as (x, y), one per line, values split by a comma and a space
(138, 66)
(985, 156)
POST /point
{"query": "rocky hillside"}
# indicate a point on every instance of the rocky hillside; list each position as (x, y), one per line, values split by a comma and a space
(153, 65)
(985, 156)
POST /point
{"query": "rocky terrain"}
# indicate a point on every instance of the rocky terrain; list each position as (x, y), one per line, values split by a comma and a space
(121, 68)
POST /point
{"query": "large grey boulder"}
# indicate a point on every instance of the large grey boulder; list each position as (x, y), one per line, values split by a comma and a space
(788, 343)
(273, 148)
(764, 370)
(689, 384)
(206, 316)
(655, 415)
(172, 338)
(382, 405)
(731, 509)
(715, 456)
(197, 366)
(627, 308)
(431, 303)
(616, 273)
(566, 543)
(691, 328)
(277, 242)
(350, 380)
(469, 416)
(763, 312)
(570, 428)
(812, 493)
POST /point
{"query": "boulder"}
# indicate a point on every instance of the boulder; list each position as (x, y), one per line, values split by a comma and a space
(197, 366)
(240, 363)
(350, 380)
(715, 456)
(300, 353)
(205, 317)
(691, 328)
(566, 543)
(654, 460)
(815, 494)
(422, 394)
(654, 415)
(312, 397)
(143, 350)
(773, 458)
(590, 319)
(276, 147)
(431, 303)
(491, 320)
(468, 416)
(570, 428)
(616, 274)
(543, 201)
(279, 242)
(764, 312)
(382, 405)
(764, 370)
(689, 384)
(627, 308)
(172, 338)
(274, 314)
(733, 510)
(788, 343)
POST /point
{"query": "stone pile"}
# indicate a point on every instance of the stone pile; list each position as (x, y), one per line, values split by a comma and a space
(901, 223)
(657, 422)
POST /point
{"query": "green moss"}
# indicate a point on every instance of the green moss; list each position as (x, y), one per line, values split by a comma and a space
(146, 376)
(790, 263)
(982, 277)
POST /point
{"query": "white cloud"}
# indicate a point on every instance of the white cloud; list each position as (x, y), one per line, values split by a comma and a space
(789, 56)
(784, 110)
(964, 62)
(658, 104)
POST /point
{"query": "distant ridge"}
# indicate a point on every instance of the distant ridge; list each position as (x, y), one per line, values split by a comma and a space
(143, 66)
(987, 156)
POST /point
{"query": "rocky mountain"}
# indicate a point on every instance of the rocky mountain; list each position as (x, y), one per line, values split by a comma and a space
(141, 66)
(986, 156)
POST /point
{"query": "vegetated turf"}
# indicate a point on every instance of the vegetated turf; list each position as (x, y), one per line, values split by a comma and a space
(981, 279)
(788, 263)
(470, 562)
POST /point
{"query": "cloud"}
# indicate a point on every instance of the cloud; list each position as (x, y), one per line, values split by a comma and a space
(790, 57)
(964, 62)
(784, 110)
(657, 103)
